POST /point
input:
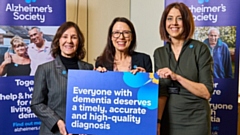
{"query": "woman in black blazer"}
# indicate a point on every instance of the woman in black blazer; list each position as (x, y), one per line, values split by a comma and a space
(119, 54)
(50, 82)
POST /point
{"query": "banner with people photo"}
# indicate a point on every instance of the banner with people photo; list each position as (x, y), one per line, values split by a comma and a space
(217, 23)
(27, 28)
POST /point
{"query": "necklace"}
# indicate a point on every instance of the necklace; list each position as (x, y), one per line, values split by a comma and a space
(123, 65)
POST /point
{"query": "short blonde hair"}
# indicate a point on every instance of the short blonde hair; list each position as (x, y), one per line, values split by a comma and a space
(17, 40)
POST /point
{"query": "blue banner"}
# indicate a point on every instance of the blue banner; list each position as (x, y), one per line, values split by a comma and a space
(102, 103)
(16, 116)
(218, 14)
(18, 17)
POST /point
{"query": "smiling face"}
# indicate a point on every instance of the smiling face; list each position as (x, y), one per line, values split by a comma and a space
(123, 41)
(174, 24)
(36, 37)
(19, 48)
(213, 37)
(69, 43)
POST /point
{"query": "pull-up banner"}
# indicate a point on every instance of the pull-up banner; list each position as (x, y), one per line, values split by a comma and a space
(18, 17)
(218, 20)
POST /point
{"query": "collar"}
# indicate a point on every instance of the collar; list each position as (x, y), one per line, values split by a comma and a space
(45, 46)
(185, 44)
(219, 42)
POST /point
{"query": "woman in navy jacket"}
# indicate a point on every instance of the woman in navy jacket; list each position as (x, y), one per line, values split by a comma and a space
(119, 54)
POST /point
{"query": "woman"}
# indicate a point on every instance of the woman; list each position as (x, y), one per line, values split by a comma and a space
(17, 64)
(119, 54)
(185, 68)
(50, 87)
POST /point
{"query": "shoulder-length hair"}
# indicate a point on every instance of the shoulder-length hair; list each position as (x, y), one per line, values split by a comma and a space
(187, 18)
(55, 48)
(108, 53)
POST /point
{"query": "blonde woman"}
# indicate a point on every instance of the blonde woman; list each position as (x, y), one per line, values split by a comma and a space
(18, 63)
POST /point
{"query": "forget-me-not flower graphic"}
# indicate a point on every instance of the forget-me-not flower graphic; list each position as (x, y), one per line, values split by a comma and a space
(29, 1)
(202, 1)
(147, 85)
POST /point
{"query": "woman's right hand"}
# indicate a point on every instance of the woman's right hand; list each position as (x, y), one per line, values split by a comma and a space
(62, 127)
(101, 69)
(7, 58)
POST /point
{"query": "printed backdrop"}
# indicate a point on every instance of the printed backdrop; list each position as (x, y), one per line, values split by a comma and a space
(17, 16)
(224, 15)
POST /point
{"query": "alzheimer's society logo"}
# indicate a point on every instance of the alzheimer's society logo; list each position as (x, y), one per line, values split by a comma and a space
(202, 1)
(29, 1)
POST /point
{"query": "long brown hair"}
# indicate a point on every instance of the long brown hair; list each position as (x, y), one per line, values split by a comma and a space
(55, 50)
(108, 53)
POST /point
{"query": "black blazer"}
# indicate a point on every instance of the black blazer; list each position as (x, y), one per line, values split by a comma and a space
(49, 94)
(138, 59)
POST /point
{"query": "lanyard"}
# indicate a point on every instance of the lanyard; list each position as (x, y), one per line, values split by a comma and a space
(178, 61)
(170, 57)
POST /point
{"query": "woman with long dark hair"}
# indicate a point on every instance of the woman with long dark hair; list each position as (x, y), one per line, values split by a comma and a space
(119, 53)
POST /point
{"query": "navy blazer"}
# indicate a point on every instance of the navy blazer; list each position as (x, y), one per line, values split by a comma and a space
(49, 94)
(138, 59)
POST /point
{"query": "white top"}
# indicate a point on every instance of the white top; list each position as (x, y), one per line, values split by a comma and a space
(39, 56)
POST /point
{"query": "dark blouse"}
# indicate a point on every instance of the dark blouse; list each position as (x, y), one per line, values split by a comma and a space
(186, 110)
(14, 69)
(69, 63)
(138, 60)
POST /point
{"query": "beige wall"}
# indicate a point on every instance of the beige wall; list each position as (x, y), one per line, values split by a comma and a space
(145, 15)
(100, 15)
(95, 16)
(77, 12)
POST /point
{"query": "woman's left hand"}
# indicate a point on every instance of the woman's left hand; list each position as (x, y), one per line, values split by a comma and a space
(101, 69)
(137, 69)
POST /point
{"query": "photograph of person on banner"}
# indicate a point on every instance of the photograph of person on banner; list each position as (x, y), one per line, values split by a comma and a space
(38, 49)
(50, 81)
(222, 48)
(16, 63)
(184, 66)
(119, 54)
(37, 45)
